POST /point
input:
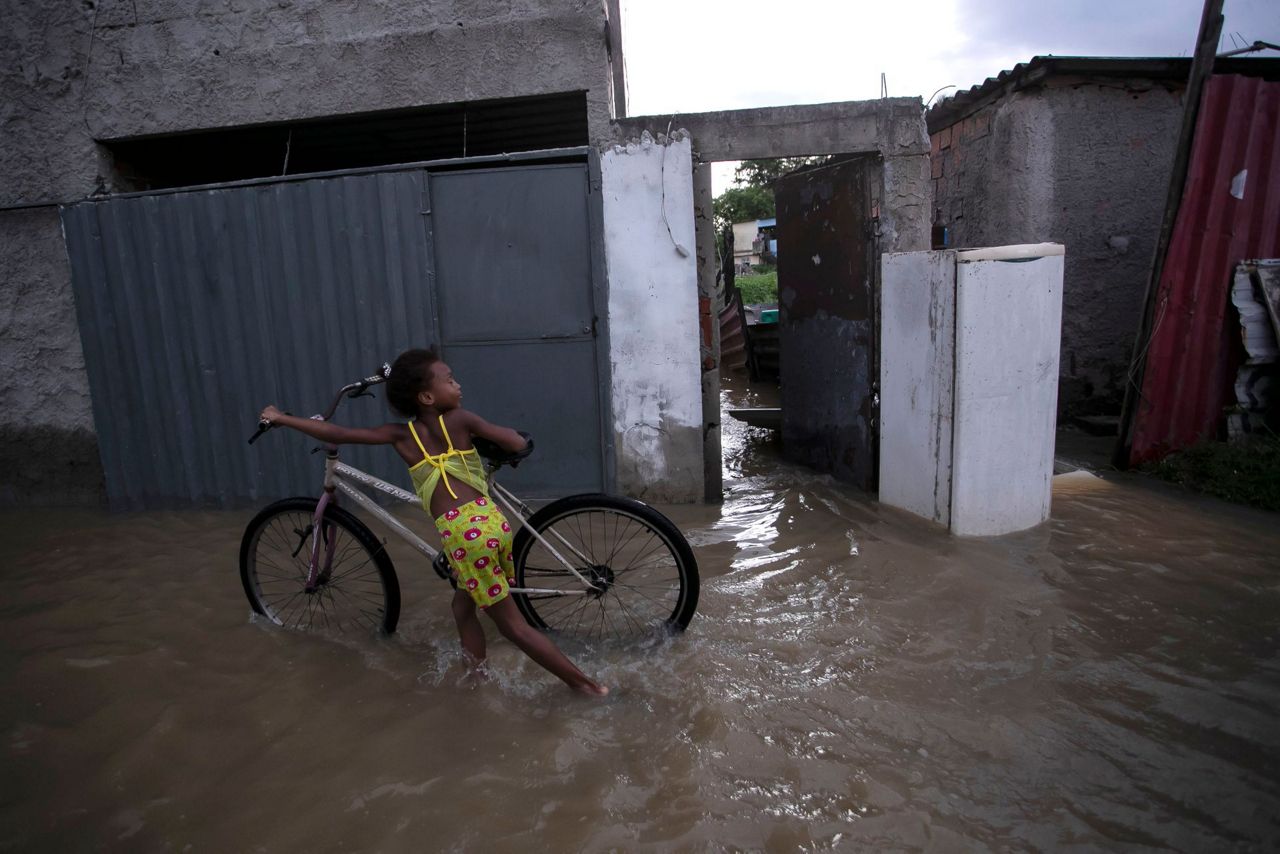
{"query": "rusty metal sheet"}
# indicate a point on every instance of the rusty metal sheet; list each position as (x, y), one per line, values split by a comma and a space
(733, 340)
(827, 334)
(1230, 212)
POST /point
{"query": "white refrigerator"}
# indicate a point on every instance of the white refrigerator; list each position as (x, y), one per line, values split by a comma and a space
(969, 384)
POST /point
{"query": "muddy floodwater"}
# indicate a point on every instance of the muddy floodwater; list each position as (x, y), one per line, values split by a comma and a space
(855, 679)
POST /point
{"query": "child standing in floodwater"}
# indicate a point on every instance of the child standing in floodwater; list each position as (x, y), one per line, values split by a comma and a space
(452, 485)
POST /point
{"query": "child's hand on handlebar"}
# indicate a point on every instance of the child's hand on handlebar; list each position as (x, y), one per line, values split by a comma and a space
(269, 414)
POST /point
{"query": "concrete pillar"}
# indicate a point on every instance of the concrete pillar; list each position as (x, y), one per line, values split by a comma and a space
(709, 326)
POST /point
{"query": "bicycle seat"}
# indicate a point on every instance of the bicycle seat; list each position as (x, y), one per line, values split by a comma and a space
(494, 454)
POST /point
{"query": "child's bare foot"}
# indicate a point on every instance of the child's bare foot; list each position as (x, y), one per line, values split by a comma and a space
(591, 689)
(477, 668)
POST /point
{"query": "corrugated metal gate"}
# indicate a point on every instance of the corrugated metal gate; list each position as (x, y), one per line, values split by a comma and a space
(827, 297)
(197, 307)
(1230, 212)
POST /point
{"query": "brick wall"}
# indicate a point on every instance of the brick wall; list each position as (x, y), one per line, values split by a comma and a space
(1082, 163)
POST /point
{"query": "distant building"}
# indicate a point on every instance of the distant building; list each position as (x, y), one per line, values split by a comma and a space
(754, 243)
(1074, 150)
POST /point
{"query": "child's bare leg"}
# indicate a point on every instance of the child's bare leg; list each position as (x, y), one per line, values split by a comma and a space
(470, 632)
(540, 648)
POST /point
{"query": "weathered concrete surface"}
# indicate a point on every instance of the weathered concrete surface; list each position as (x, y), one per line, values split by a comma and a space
(166, 66)
(708, 332)
(905, 201)
(75, 74)
(890, 127)
(647, 187)
(893, 128)
(901, 196)
(1085, 165)
(48, 449)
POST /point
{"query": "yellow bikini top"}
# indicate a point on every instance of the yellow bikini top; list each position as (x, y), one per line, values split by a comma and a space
(432, 469)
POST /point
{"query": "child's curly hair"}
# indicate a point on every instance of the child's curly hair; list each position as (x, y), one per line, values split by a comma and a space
(409, 373)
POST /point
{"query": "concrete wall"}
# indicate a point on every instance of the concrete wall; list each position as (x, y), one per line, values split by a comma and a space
(647, 187)
(744, 235)
(48, 445)
(892, 128)
(1085, 164)
(166, 66)
(72, 75)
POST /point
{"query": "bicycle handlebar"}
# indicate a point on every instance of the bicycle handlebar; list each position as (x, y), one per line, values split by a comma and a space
(499, 457)
(354, 389)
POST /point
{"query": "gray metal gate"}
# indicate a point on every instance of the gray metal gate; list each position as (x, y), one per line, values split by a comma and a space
(197, 307)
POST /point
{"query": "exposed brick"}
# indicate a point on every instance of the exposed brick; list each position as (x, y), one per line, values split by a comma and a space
(982, 124)
(936, 168)
(944, 138)
(935, 144)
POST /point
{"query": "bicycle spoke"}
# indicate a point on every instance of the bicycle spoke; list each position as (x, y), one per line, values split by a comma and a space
(352, 589)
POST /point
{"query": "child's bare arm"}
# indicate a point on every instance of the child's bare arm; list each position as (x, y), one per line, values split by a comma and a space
(332, 434)
(503, 437)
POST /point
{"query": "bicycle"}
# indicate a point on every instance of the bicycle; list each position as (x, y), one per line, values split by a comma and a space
(592, 565)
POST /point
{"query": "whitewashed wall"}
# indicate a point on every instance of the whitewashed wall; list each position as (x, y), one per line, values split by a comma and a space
(653, 318)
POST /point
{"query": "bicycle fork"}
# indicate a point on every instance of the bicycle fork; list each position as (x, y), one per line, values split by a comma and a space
(322, 536)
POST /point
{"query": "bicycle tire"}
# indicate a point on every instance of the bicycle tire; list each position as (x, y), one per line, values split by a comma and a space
(647, 572)
(360, 592)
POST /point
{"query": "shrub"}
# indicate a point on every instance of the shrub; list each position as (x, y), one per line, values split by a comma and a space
(758, 289)
(1246, 472)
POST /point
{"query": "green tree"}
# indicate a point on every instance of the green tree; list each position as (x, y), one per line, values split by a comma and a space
(739, 204)
(751, 196)
(762, 173)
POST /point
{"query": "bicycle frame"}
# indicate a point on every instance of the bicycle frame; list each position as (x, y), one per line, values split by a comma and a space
(340, 477)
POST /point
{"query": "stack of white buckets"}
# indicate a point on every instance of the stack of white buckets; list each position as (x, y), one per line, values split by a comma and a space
(969, 384)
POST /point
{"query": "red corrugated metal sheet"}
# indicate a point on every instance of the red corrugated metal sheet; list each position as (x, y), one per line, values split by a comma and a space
(1193, 356)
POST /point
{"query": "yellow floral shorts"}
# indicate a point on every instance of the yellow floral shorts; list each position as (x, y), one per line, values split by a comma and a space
(477, 539)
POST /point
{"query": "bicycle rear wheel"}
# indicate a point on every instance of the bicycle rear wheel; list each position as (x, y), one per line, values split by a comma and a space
(356, 591)
(644, 570)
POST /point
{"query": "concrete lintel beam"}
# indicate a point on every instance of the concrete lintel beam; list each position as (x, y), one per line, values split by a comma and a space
(890, 127)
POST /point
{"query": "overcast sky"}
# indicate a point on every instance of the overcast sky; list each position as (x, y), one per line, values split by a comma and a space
(697, 55)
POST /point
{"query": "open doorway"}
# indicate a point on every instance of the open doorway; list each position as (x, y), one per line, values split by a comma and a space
(797, 257)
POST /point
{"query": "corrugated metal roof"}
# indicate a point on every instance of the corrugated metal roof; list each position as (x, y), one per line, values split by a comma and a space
(1034, 72)
(1230, 212)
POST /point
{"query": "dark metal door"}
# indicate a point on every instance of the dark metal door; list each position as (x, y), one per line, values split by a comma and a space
(827, 302)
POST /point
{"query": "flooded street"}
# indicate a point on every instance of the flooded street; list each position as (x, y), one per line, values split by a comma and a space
(855, 679)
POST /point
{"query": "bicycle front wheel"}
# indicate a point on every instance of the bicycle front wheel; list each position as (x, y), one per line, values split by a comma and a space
(356, 589)
(643, 571)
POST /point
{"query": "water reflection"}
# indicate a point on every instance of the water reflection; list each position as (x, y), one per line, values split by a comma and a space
(855, 679)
